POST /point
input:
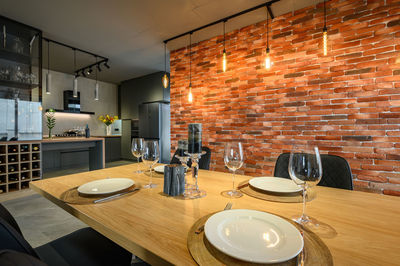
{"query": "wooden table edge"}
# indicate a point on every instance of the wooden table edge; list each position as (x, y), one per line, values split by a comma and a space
(135, 249)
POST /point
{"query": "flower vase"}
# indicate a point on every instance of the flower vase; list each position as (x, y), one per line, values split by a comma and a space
(108, 130)
(50, 135)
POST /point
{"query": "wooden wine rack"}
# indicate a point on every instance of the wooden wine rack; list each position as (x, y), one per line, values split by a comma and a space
(20, 163)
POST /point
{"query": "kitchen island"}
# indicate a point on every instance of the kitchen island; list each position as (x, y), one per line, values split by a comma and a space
(66, 152)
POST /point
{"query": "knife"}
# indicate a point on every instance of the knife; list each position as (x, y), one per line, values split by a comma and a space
(115, 196)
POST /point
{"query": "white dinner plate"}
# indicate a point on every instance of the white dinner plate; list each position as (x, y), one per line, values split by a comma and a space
(106, 186)
(159, 169)
(253, 236)
(274, 184)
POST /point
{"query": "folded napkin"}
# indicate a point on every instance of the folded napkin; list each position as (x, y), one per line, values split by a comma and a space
(174, 179)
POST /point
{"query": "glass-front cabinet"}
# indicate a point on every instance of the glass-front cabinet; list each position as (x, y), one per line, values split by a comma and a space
(20, 81)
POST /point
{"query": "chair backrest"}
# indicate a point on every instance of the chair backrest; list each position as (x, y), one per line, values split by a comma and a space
(6, 215)
(204, 162)
(10, 236)
(336, 171)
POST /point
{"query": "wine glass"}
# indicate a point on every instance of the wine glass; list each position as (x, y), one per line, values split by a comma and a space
(233, 158)
(150, 157)
(137, 150)
(305, 169)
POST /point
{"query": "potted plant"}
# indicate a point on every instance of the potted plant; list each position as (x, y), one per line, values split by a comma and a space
(50, 120)
(108, 121)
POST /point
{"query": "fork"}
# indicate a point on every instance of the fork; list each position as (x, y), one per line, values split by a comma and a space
(201, 228)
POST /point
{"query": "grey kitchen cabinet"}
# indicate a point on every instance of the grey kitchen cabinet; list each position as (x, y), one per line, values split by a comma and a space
(112, 148)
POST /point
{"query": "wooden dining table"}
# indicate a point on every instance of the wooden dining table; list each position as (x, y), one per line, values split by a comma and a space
(155, 227)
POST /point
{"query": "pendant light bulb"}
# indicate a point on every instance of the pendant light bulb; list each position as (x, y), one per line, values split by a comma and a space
(75, 90)
(96, 91)
(325, 41)
(165, 80)
(190, 97)
(48, 83)
(224, 61)
(325, 33)
(268, 62)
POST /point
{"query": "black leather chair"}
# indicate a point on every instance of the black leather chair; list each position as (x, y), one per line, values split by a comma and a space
(336, 171)
(204, 162)
(82, 247)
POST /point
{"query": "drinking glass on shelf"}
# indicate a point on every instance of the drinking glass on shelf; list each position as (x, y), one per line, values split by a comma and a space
(305, 169)
(233, 158)
(150, 157)
(137, 150)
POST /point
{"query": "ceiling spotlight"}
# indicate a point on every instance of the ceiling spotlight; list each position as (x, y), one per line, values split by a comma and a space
(106, 65)
(98, 67)
(83, 73)
(89, 71)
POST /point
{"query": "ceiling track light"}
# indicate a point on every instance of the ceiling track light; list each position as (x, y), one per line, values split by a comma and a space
(48, 76)
(165, 80)
(190, 96)
(98, 68)
(106, 64)
(224, 62)
(325, 33)
(268, 62)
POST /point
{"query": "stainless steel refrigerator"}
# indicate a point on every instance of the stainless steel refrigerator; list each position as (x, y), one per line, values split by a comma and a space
(154, 123)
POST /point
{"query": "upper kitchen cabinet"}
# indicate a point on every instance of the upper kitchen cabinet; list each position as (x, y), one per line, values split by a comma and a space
(20, 81)
(136, 91)
(20, 61)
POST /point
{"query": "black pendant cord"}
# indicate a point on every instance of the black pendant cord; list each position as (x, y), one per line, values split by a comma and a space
(325, 29)
(224, 37)
(48, 57)
(267, 31)
(190, 60)
(165, 58)
(74, 61)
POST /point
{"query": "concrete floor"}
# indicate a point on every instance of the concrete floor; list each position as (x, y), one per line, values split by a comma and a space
(40, 220)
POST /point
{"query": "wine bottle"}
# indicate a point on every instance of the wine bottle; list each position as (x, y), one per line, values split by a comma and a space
(33, 157)
(35, 148)
(11, 168)
(12, 178)
(12, 159)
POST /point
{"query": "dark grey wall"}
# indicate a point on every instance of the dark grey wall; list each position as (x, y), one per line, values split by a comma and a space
(139, 90)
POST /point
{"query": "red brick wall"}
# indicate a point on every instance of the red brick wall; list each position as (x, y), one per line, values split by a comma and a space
(347, 103)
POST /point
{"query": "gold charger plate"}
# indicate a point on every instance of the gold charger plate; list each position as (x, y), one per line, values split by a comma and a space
(72, 196)
(315, 251)
(277, 197)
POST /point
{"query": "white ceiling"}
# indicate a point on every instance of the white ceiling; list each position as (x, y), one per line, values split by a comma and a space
(130, 32)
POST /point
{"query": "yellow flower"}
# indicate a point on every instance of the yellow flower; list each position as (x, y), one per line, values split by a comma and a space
(116, 117)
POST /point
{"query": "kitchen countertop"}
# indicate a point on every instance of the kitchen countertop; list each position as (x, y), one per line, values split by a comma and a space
(105, 136)
(70, 139)
(54, 140)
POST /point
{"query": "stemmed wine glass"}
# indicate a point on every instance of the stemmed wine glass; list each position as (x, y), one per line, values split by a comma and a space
(233, 158)
(137, 150)
(305, 169)
(150, 157)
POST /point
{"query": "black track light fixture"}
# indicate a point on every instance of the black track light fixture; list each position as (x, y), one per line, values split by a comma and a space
(98, 67)
(106, 64)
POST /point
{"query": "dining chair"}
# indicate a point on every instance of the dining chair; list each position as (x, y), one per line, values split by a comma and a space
(82, 247)
(336, 171)
(204, 162)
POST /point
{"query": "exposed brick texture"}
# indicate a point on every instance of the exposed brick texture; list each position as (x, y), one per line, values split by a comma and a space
(347, 103)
